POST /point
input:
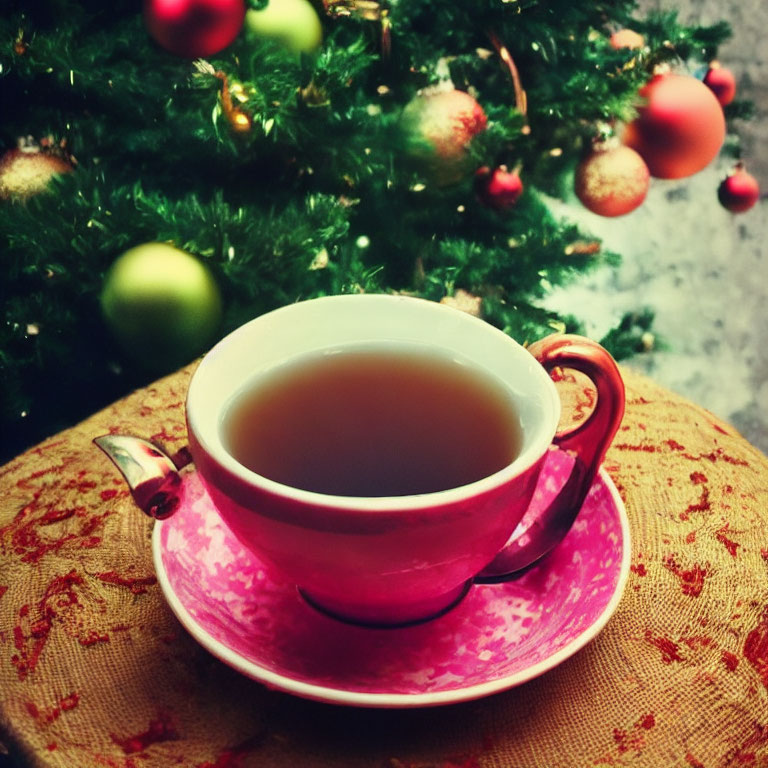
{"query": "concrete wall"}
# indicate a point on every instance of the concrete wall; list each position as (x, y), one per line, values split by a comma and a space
(703, 270)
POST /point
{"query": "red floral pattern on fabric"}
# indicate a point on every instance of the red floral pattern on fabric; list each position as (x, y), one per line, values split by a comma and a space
(96, 671)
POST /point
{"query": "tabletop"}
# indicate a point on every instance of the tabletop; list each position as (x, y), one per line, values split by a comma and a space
(96, 670)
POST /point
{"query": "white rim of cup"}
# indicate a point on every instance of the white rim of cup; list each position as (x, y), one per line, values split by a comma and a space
(213, 445)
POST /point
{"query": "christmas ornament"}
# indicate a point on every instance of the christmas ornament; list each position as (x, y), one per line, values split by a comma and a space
(612, 180)
(239, 120)
(739, 191)
(680, 127)
(367, 10)
(161, 304)
(721, 82)
(439, 125)
(27, 171)
(626, 38)
(521, 97)
(370, 10)
(465, 301)
(294, 23)
(499, 188)
(20, 46)
(194, 28)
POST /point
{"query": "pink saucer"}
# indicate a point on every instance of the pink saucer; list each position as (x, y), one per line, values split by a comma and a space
(497, 637)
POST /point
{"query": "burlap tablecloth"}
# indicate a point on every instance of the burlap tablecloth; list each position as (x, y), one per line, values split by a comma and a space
(96, 671)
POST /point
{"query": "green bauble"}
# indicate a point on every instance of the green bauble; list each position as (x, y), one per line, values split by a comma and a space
(162, 305)
(294, 23)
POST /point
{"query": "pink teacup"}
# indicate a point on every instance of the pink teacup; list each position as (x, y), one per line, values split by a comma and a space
(395, 559)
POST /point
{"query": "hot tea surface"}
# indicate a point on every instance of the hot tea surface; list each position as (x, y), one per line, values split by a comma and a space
(374, 421)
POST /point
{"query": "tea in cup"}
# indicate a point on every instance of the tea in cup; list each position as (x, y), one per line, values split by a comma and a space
(378, 451)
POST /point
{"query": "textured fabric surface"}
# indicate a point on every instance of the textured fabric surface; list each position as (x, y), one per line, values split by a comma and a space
(96, 671)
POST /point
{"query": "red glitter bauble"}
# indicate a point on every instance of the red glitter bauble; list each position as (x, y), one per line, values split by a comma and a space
(498, 188)
(721, 82)
(438, 126)
(680, 127)
(739, 191)
(194, 28)
(612, 181)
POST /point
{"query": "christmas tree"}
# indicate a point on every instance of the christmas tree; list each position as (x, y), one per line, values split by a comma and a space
(284, 150)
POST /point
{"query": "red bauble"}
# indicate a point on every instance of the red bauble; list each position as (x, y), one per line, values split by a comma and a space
(26, 172)
(612, 181)
(721, 82)
(626, 38)
(438, 126)
(680, 127)
(194, 28)
(739, 191)
(498, 188)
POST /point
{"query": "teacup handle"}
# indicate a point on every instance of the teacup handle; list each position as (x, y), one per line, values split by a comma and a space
(587, 443)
